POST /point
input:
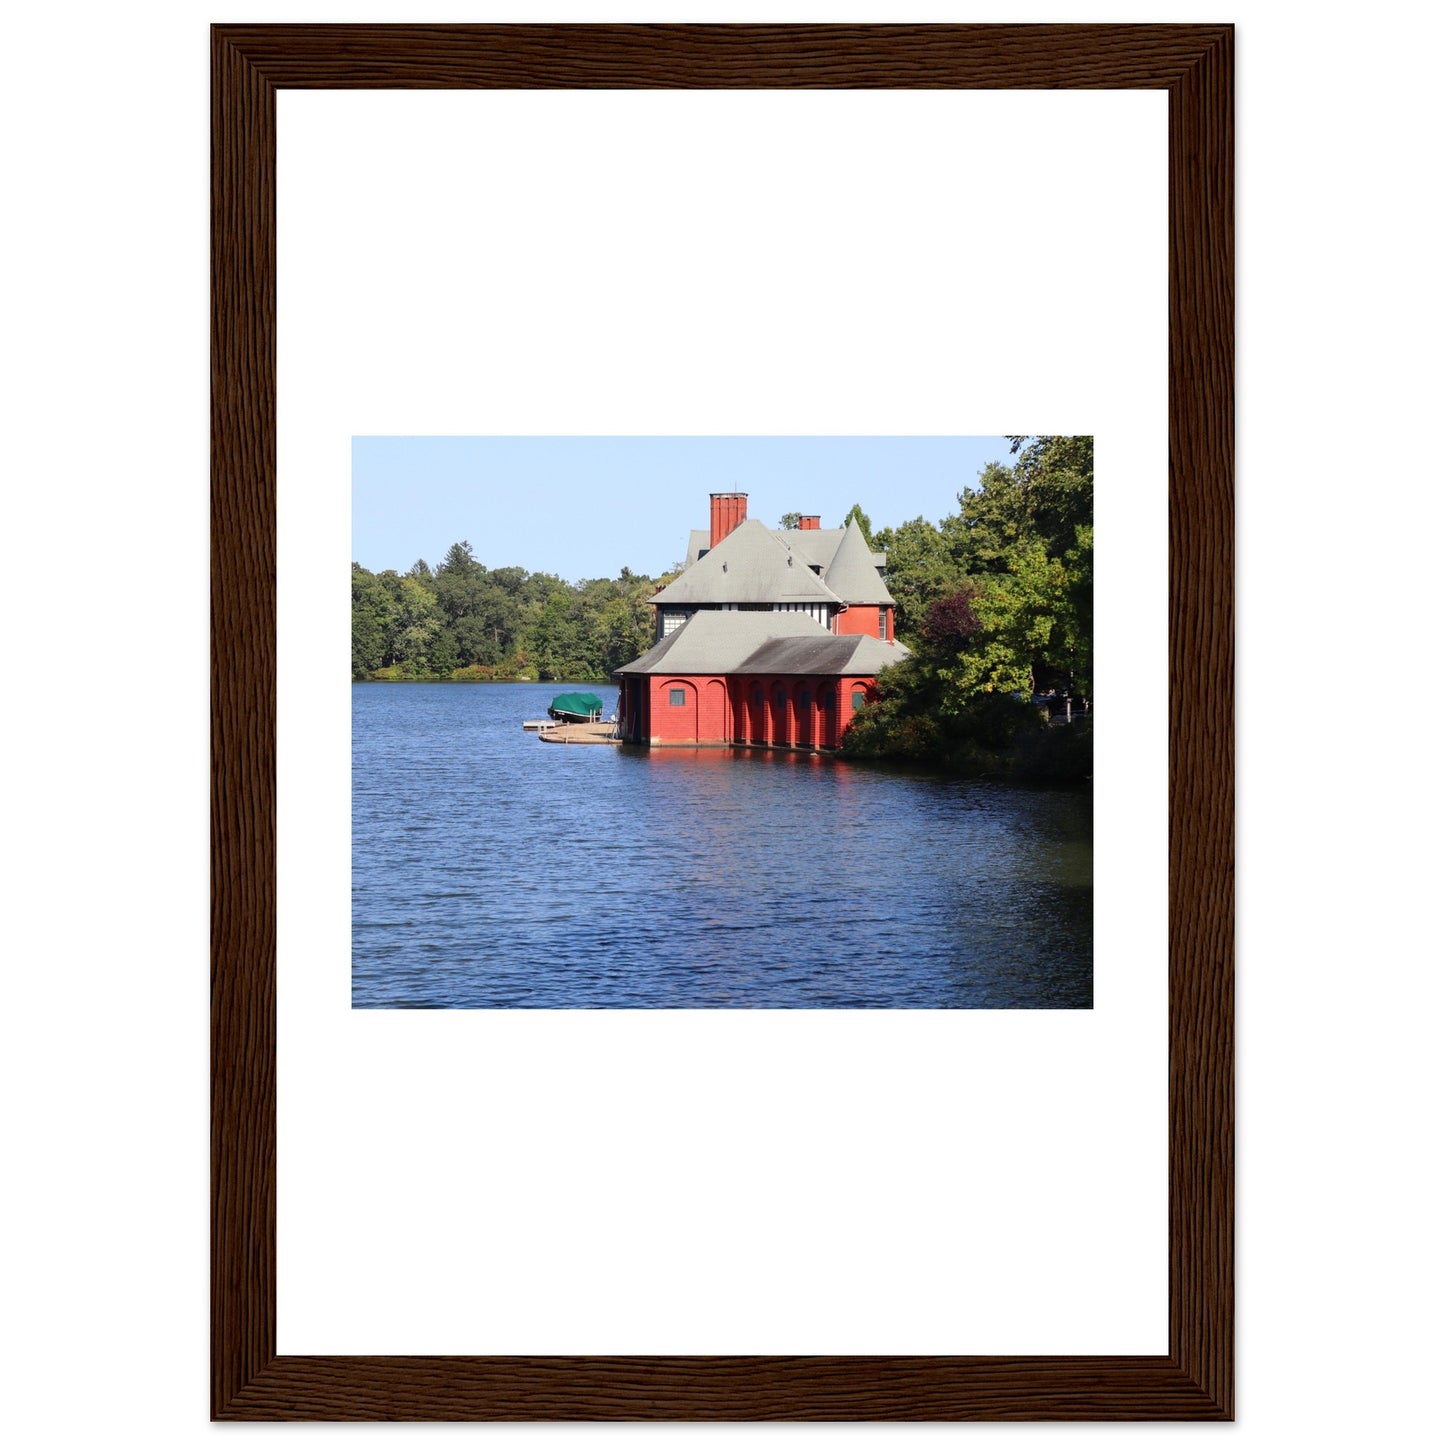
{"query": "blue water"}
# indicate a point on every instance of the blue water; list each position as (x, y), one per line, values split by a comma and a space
(492, 870)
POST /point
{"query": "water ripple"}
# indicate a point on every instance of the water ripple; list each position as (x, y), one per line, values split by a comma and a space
(490, 870)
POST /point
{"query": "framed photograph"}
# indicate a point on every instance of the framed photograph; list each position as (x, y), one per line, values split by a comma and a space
(669, 1076)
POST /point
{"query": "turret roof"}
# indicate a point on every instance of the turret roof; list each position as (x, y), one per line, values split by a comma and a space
(853, 574)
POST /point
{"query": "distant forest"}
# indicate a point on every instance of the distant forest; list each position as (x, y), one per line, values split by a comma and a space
(996, 602)
(463, 622)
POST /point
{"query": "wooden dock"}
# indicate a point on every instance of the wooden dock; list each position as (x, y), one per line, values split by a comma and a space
(588, 732)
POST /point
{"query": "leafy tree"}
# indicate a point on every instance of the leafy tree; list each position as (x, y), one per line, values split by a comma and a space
(790, 521)
(921, 568)
(857, 514)
(1016, 612)
(417, 626)
(374, 616)
(443, 656)
(459, 562)
(951, 621)
(996, 597)
(478, 642)
(1055, 478)
(991, 519)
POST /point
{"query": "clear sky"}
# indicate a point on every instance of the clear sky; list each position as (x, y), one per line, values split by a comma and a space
(589, 506)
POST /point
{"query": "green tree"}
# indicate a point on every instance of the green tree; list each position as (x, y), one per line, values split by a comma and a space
(419, 622)
(443, 656)
(459, 561)
(921, 567)
(1055, 477)
(374, 615)
(1017, 611)
(857, 514)
(558, 639)
(995, 600)
(790, 521)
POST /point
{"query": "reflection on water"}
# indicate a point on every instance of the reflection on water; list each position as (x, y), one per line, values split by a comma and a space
(491, 870)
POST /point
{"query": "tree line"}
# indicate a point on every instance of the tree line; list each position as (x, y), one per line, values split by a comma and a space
(464, 622)
(996, 602)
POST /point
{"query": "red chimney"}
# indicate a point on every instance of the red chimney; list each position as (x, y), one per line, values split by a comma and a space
(809, 524)
(728, 509)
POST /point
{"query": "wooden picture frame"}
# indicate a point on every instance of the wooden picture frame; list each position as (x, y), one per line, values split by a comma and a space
(1195, 1379)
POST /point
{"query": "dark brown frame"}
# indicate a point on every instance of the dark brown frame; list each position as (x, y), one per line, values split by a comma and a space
(1194, 64)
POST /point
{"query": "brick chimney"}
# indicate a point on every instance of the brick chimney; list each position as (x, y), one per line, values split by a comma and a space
(728, 510)
(809, 524)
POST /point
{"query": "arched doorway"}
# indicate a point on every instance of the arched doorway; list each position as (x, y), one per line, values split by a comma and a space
(804, 715)
(779, 708)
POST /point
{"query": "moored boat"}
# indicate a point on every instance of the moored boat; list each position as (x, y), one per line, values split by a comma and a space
(576, 707)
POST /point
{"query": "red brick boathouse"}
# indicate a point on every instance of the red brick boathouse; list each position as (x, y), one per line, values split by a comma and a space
(771, 638)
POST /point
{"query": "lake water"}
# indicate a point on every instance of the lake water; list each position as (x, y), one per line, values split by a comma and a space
(492, 870)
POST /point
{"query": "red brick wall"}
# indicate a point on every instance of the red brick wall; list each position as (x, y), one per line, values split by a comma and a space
(716, 711)
(861, 620)
(703, 719)
(669, 724)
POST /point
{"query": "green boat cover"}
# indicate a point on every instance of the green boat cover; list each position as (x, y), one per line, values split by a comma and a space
(578, 704)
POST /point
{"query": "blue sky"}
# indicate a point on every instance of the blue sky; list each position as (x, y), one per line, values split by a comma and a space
(589, 506)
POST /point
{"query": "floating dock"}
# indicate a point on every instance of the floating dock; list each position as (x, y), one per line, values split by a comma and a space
(588, 732)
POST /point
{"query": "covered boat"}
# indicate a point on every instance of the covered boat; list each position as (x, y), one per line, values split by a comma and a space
(576, 707)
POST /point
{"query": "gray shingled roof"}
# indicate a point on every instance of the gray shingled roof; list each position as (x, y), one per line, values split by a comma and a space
(788, 643)
(722, 641)
(835, 656)
(748, 565)
(852, 574)
(698, 541)
(814, 546)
